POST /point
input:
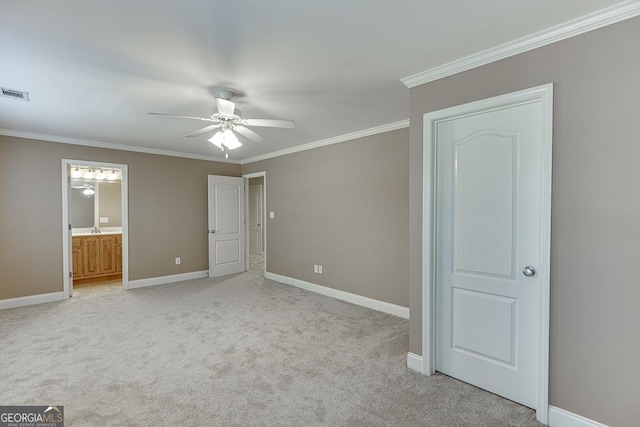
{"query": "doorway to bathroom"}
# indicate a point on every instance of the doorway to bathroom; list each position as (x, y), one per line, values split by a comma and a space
(256, 222)
(95, 226)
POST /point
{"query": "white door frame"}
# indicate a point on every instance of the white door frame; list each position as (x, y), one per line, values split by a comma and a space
(544, 95)
(66, 246)
(246, 177)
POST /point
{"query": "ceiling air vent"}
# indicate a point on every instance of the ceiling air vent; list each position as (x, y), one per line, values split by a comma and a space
(15, 94)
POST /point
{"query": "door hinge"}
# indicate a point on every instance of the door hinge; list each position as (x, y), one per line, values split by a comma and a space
(70, 275)
(69, 227)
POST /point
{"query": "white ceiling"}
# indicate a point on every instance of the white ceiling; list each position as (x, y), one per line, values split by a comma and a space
(94, 69)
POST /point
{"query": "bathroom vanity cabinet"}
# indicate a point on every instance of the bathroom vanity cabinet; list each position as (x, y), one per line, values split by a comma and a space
(96, 255)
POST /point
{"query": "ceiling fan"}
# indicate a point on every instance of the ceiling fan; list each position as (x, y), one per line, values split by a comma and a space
(228, 121)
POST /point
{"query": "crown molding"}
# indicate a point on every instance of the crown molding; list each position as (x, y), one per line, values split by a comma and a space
(112, 146)
(330, 141)
(593, 21)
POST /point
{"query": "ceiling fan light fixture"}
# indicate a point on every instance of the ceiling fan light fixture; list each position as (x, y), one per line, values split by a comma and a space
(225, 138)
(231, 140)
(217, 139)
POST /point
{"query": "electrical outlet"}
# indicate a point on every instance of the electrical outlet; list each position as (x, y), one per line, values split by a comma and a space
(177, 260)
(320, 269)
(272, 215)
(315, 268)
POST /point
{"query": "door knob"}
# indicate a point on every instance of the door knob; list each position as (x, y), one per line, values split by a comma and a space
(213, 231)
(529, 271)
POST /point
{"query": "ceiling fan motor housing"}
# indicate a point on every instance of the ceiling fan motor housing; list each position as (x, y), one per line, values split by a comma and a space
(225, 94)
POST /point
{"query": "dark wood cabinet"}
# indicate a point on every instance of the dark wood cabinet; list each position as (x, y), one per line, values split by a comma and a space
(118, 253)
(96, 255)
(76, 251)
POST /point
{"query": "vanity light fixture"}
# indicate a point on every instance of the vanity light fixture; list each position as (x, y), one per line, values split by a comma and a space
(91, 174)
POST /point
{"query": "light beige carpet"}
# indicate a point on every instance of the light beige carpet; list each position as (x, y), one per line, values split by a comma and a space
(256, 264)
(234, 351)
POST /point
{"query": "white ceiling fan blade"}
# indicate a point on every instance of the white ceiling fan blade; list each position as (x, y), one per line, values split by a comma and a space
(249, 134)
(203, 130)
(206, 119)
(270, 123)
(226, 108)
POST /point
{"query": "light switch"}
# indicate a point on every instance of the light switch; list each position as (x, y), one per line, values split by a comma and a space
(104, 219)
(272, 215)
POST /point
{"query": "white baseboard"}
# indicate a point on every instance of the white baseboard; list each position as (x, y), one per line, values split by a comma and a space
(31, 300)
(414, 362)
(163, 280)
(557, 417)
(385, 307)
(561, 418)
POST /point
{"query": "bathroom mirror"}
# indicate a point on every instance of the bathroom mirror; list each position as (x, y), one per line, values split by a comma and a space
(81, 208)
(94, 198)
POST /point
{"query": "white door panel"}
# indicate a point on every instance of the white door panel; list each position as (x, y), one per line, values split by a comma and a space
(226, 225)
(226, 196)
(227, 252)
(476, 312)
(484, 189)
(487, 214)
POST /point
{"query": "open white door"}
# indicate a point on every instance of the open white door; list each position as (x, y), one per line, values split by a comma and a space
(488, 249)
(226, 225)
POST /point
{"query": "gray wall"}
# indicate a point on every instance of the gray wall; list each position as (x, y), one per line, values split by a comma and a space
(110, 203)
(167, 212)
(345, 207)
(595, 289)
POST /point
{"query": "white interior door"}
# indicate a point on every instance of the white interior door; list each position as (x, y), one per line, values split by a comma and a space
(255, 219)
(488, 212)
(226, 225)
